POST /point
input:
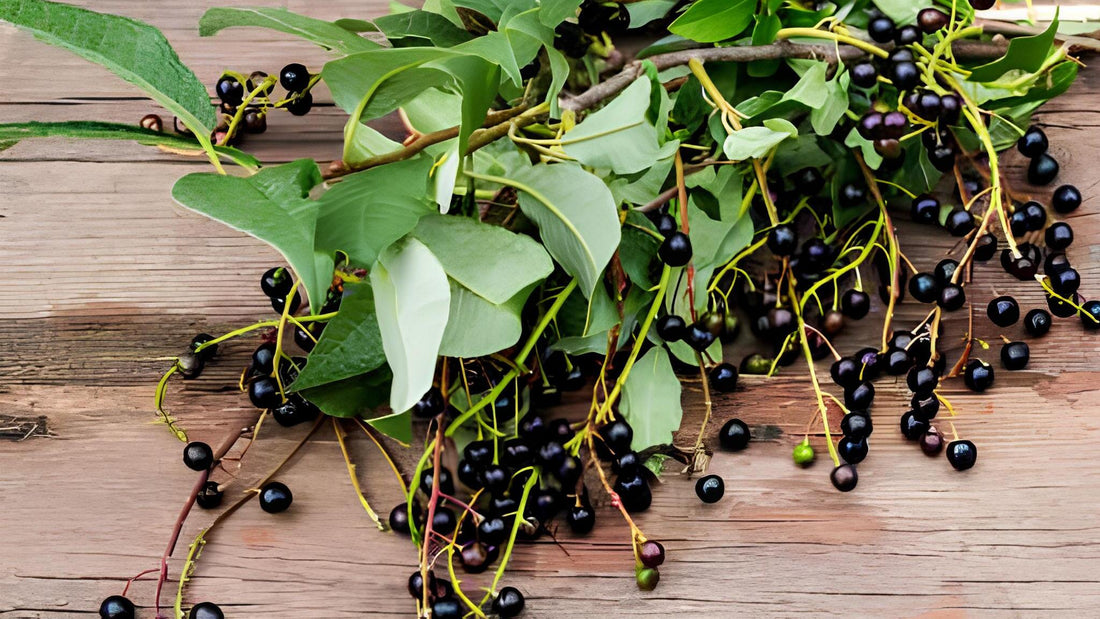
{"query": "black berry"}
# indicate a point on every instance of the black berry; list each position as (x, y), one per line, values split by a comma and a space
(851, 450)
(855, 304)
(430, 405)
(962, 454)
(864, 74)
(581, 519)
(633, 490)
(925, 209)
(1037, 322)
(782, 240)
(294, 77)
(206, 610)
(198, 456)
(1059, 236)
(301, 104)
(671, 328)
(1003, 311)
(229, 90)
(735, 435)
(959, 222)
(710, 489)
(913, 427)
(651, 553)
(675, 251)
(844, 477)
(275, 497)
(924, 288)
(509, 602)
(1066, 199)
(881, 29)
(264, 393)
(856, 426)
(1090, 315)
(1042, 170)
(978, 375)
(209, 495)
(1032, 143)
(1015, 355)
(724, 378)
(907, 35)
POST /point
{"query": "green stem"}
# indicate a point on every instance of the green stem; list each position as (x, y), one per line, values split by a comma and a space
(789, 33)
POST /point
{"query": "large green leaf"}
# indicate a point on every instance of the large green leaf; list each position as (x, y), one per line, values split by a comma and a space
(95, 130)
(351, 343)
(644, 11)
(476, 327)
(132, 50)
(490, 261)
(617, 137)
(421, 27)
(362, 396)
(576, 216)
(326, 34)
(1024, 54)
(902, 11)
(651, 400)
(273, 206)
(556, 11)
(710, 21)
(412, 298)
(369, 210)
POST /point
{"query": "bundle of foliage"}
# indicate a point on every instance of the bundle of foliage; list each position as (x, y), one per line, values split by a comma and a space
(564, 216)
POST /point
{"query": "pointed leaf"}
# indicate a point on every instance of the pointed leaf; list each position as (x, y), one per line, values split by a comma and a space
(617, 137)
(651, 400)
(710, 21)
(412, 298)
(476, 327)
(1024, 53)
(326, 34)
(351, 343)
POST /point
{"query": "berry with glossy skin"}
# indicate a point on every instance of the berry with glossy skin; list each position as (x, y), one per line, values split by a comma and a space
(675, 251)
(190, 365)
(925, 407)
(698, 338)
(959, 222)
(300, 105)
(446, 482)
(651, 553)
(208, 352)
(1032, 143)
(846, 372)
(275, 497)
(952, 297)
(905, 75)
(1065, 282)
(633, 490)
(782, 240)
(1035, 216)
(924, 288)
(897, 362)
(978, 375)
(1018, 223)
(925, 209)
(851, 450)
(198, 456)
(962, 454)
(950, 109)
(859, 397)
(581, 519)
(942, 157)
(855, 304)
(907, 35)
(724, 378)
(881, 29)
(666, 224)
(931, 442)
(117, 607)
(1090, 315)
(844, 477)
(1059, 236)
(803, 454)
(1022, 268)
(734, 435)
(1055, 263)
(986, 248)
(1066, 199)
(1003, 311)
(264, 393)
(279, 303)
(856, 426)
(1037, 322)
(447, 608)
(931, 20)
(922, 381)
(509, 603)
(276, 282)
(1042, 170)
(430, 405)
(870, 125)
(913, 427)
(647, 579)
(1060, 308)
(1015, 355)
(294, 77)
(864, 74)
(206, 610)
(209, 496)
(229, 90)
(399, 517)
(710, 489)
(671, 328)
(617, 436)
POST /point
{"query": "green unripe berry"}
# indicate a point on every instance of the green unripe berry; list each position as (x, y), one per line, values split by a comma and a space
(803, 454)
(647, 578)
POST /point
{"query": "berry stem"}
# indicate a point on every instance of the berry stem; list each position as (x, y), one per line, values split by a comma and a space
(385, 454)
(788, 33)
(527, 487)
(805, 342)
(158, 403)
(698, 461)
(268, 82)
(340, 435)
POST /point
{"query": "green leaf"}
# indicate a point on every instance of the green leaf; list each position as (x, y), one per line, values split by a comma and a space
(412, 298)
(755, 142)
(866, 147)
(638, 249)
(645, 11)
(397, 426)
(272, 205)
(132, 50)
(427, 27)
(369, 210)
(351, 343)
(1024, 53)
(356, 396)
(617, 137)
(810, 89)
(651, 400)
(763, 33)
(575, 214)
(902, 11)
(554, 12)
(369, 78)
(326, 34)
(95, 130)
(824, 118)
(921, 177)
(476, 327)
(492, 262)
(710, 21)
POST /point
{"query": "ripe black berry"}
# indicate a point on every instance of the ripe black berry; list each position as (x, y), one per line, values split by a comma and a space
(1003, 311)
(1032, 143)
(925, 209)
(430, 405)
(870, 125)
(446, 482)
(206, 610)
(275, 497)
(633, 490)
(474, 557)
(782, 240)
(666, 224)
(1065, 282)
(1017, 223)
(264, 393)
(864, 74)
(844, 477)
(1037, 322)
(229, 90)
(881, 29)
(735, 435)
(301, 104)
(399, 517)
(276, 282)
(962, 454)
(924, 288)
(1035, 216)
(279, 303)
(294, 77)
(671, 328)
(1059, 236)
(446, 608)
(945, 270)
(1055, 263)
(617, 436)
(1042, 170)
(1060, 308)
(675, 250)
(1066, 199)
(855, 304)
(1015, 355)
(509, 603)
(581, 519)
(897, 362)
(913, 427)
(209, 496)
(859, 397)
(1090, 315)
(905, 76)
(846, 372)
(198, 456)
(922, 381)
(959, 222)
(710, 489)
(698, 338)
(851, 450)
(116, 607)
(952, 297)
(907, 35)
(724, 378)
(931, 20)
(444, 520)
(942, 157)
(856, 426)
(978, 375)
(986, 247)
(925, 407)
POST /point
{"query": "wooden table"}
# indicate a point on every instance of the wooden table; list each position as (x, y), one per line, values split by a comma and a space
(104, 278)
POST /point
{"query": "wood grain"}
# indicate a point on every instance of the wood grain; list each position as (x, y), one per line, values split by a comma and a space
(104, 278)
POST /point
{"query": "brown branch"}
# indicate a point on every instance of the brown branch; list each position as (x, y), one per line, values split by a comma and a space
(963, 50)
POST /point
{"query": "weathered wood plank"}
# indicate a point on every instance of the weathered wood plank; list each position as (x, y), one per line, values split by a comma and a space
(104, 277)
